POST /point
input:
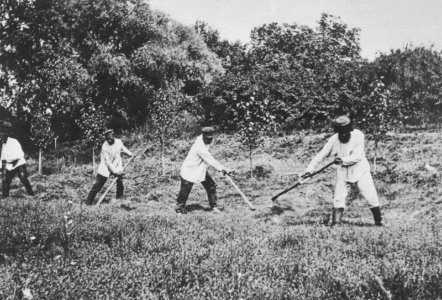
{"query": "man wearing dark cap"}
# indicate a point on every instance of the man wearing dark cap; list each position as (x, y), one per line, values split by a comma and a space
(110, 164)
(13, 162)
(353, 168)
(194, 170)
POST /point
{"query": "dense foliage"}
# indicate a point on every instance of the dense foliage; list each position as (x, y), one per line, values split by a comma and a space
(309, 75)
(111, 55)
(74, 56)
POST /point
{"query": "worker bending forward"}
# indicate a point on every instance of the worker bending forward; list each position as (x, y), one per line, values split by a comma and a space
(353, 168)
(110, 164)
(194, 170)
(13, 163)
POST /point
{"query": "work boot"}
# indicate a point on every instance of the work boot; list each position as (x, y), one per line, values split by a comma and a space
(181, 210)
(377, 217)
(326, 218)
(216, 210)
(337, 216)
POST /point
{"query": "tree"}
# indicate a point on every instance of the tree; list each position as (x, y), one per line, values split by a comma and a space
(64, 54)
(42, 134)
(93, 122)
(252, 119)
(302, 72)
(232, 55)
(165, 116)
(417, 75)
(377, 113)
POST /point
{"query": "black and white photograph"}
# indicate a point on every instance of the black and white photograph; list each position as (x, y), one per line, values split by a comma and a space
(221, 149)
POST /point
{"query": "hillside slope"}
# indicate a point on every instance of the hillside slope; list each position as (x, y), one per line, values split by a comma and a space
(139, 248)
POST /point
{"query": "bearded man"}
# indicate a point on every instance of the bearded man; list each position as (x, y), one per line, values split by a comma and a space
(353, 170)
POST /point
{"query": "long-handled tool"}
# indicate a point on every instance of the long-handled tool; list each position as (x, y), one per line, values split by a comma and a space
(116, 178)
(241, 193)
(302, 181)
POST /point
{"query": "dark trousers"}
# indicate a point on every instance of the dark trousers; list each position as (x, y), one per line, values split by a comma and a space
(100, 180)
(22, 173)
(186, 186)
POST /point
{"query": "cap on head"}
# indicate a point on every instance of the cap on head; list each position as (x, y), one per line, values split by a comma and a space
(341, 121)
(207, 131)
(108, 131)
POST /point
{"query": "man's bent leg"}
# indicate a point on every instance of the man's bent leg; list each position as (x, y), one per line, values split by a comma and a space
(98, 185)
(7, 182)
(120, 187)
(368, 191)
(341, 193)
(210, 186)
(186, 187)
(23, 175)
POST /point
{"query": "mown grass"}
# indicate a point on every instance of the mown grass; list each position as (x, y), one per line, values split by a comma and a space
(140, 249)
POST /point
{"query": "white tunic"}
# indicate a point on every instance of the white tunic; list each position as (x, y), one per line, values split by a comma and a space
(12, 151)
(111, 158)
(194, 167)
(354, 162)
(354, 169)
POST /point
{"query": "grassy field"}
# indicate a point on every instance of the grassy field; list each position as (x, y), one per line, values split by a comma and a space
(53, 247)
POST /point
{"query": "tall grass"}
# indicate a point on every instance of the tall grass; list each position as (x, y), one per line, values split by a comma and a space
(56, 248)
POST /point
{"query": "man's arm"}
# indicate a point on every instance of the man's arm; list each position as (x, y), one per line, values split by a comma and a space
(209, 159)
(3, 169)
(325, 152)
(125, 150)
(2, 158)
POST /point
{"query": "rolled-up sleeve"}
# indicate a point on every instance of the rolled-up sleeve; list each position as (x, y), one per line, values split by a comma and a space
(209, 159)
(125, 150)
(325, 152)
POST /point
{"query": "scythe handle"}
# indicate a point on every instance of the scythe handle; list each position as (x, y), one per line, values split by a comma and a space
(302, 181)
(246, 200)
(115, 179)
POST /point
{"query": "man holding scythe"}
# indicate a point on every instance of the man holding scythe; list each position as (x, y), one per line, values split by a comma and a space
(13, 162)
(353, 168)
(110, 164)
(194, 170)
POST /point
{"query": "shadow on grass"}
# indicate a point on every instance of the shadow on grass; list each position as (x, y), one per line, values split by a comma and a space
(303, 222)
(358, 224)
(196, 207)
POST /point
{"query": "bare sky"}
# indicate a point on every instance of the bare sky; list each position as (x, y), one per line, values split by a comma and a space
(384, 24)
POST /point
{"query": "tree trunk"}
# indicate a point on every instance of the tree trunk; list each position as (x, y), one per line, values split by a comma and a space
(94, 172)
(251, 162)
(40, 161)
(375, 156)
(163, 162)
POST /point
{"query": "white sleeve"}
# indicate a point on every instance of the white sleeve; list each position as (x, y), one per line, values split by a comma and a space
(325, 151)
(3, 152)
(209, 159)
(125, 150)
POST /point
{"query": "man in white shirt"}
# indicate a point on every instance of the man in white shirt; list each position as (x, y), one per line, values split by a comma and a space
(353, 168)
(13, 163)
(110, 164)
(194, 170)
